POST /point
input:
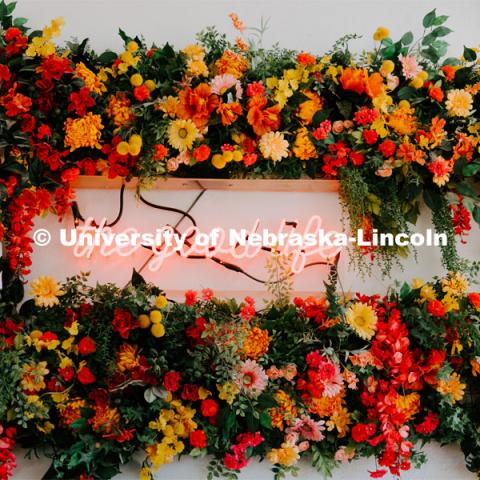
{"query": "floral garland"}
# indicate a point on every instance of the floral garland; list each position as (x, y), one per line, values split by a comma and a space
(395, 125)
(93, 374)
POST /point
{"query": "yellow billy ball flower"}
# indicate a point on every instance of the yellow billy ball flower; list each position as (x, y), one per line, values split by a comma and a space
(132, 47)
(136, 80)
(150, 85)
(404, 104)
(161, 301)
(228, 156)
(387, 67)
(144, 321)
(417, 82)
(237, 156)
(218, 161)
(156, 316)
(158, 330)
(123, 148)
(381, 33)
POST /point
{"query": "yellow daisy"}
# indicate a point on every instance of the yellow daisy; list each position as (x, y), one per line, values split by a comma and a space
(46, 291)
(362, 318)
(182, 134)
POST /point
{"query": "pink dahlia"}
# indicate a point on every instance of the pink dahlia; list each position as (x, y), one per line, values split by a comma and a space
(221, 83)
(410, 66)
(251, 378)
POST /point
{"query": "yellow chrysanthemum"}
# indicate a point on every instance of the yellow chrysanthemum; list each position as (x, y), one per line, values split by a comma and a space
(362, 318)
(182, 134)
(46, 291)
(256, 344)
(274, 146)
(197, 68)
(417, 283)
(453, 388)
(303, 148)
(194, 51)
(381, 33)
(91, 81)
(459, 103)
(83, 132)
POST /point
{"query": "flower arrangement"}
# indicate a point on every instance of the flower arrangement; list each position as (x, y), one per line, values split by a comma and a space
(395, 126)
(96, 373)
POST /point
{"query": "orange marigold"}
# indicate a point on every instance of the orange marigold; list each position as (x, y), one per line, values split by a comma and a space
(229, 112)
(197, 104)
(105, 420)
(409, 153)
(402, 121)
(83, 132)
(127, 357)
(256, 344)
(232, 63)
(310, 107)
(303, 148)
(263, 119)
(90, 79)
(285, 413)
(70, 412)
(118, 109)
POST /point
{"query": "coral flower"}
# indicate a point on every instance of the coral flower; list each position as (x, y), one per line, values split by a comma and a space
(46, 291)
(362, 318)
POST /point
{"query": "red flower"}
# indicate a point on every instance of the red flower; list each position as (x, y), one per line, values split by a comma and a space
(449, 72)
(86, 346)
(209, 407)
(362, 431)
(255, 89)
(387, 148)
(429, 424)
(365, 116)
(306, 59)
(160, 151)
(44, 131)
(67, 373)
(201, 153)
(322, 131)
(28, 123)
(79, 102)
(5, 74)
(190, 392)
(436, 308)
(436, 93)
(474, 299)
(357, 158)
(172, 381)
(123, 322)
(54, 67)
(12, 33)
(190, 297)
(198, 439)
(370, 136)
(249, 159)
(70, 174)
(141, 93)
(17, 104)
(85, 376)
(378, 473)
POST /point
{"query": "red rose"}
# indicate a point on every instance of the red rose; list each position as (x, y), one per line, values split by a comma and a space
(436, 308)
(209, 407)
(201, 153)
(190, 392)
(86, 346)
(123, 322)
(370, 136)
(198, 439)
(141, 93)
(387, 148)
(85, 376)
(172, 381)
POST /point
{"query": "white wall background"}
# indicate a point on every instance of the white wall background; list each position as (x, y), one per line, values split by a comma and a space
(301, 24)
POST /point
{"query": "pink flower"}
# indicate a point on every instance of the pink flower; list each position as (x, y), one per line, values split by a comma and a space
(344, 455)
(410, 66)
(309, 429)
(251, 378)
(221, 83)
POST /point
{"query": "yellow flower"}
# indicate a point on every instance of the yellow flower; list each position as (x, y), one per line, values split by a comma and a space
(256, 344)
(409, 405)
(136, 80)
(68, 346)
(83, 132)
(287, 455)
(340, 420)
(73, 328)
(427, 293)
(228, 391)
(450, 302)
(417, 283)
(168, 105)
(274, 146)
(381, 33)
(161, 301)
(459, 103)
(127, 358)
(132, 46)
(303, 148)
(453, 388)
(362, 318)
(33, 376)
(158, 330)
(145, 474)
(387, 67)
(308, 108)
(46, 428)
(454, 284)
(91, 81)
(197, 68)
(118, 109)
(203, 393)
(46, 291)
(182, 134)
(54, 29)
(42, 46)
(194, 51)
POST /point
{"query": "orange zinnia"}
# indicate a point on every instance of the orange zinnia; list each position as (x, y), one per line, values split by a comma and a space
(197, 104)
(263, 120)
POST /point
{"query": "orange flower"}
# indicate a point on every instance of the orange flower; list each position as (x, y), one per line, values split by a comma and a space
(374, 85)
(263, 120)
(105, 420)
(408, 153)
(71, 412)
(232, 63)
(304, 58)
(256, 344)
(354, 79)
(197, 104)
(465, 147)
(309, 108)
(118, 109)
(229, 112)
(409, 405)
(304, 149)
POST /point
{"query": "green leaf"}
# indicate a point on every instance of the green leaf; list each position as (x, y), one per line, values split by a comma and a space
(451, 61)
(440, 19)
(407, 38)
(441, 31)
(265, 420)
(406, 92)
(432, 198)
(476, 214)
(469, 54)
(107, 57)
(11, 7)
(471, 169)
(20, 22)
(137, 280)
(429, 19)
(466, 189)
(431, 54)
